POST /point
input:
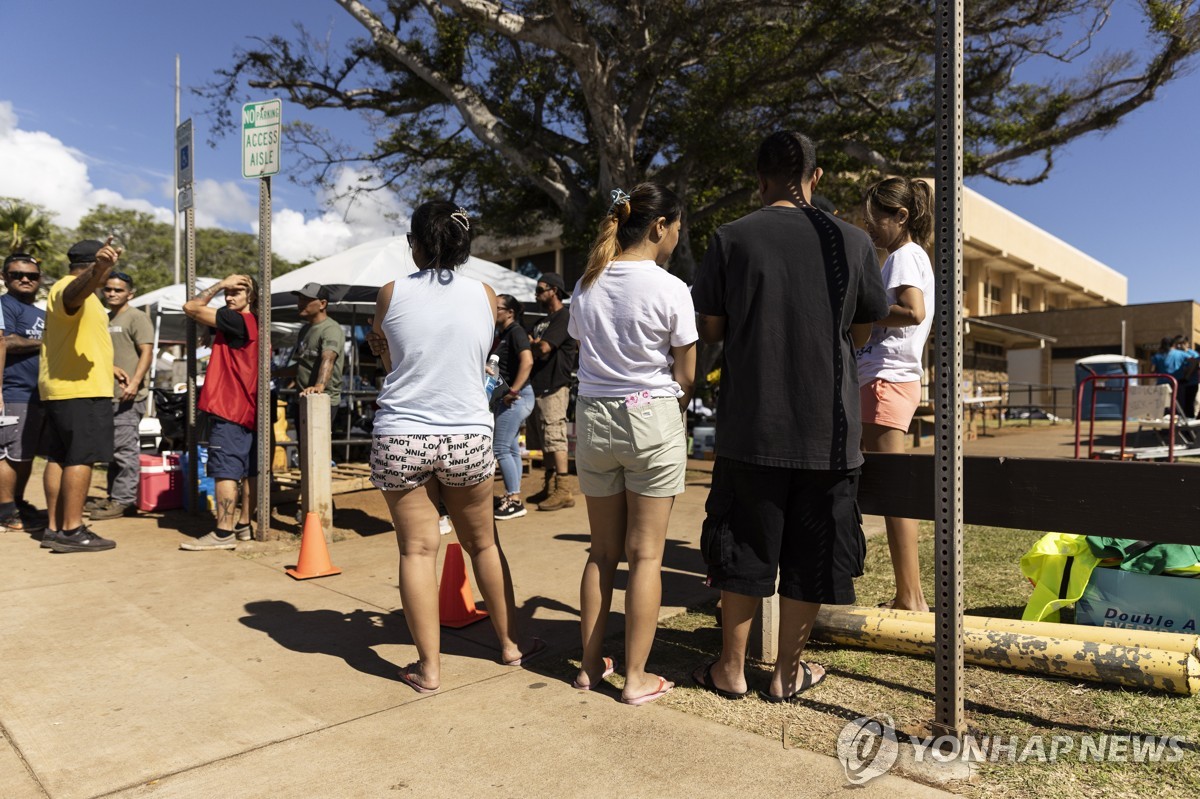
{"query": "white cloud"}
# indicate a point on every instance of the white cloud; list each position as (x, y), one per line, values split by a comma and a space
(351, 219)
(39, 168)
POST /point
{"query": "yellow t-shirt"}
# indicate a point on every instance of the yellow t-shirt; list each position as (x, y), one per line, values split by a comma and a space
(77, 352)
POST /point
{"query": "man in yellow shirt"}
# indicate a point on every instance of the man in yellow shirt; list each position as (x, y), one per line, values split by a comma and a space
(75, 381)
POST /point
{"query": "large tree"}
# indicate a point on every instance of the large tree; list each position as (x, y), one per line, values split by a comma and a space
(28, 228)
(148, 246)
(533, 110)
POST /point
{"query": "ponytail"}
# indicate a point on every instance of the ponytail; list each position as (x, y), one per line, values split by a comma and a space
(628, 222)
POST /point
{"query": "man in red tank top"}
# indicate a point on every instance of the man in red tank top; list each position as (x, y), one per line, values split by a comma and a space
(230, 396)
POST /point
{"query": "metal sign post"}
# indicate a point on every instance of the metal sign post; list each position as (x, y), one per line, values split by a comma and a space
(948, 461)
(262, 126)
(184, 202)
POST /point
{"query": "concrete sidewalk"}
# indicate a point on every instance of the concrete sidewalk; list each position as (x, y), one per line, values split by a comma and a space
(147, 671)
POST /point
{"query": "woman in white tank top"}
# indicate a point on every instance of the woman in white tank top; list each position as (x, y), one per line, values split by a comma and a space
(433, 434)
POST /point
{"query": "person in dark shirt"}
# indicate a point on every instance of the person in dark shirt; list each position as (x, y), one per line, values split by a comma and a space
(516, 364)
(554, 356)
(23, 323)
(781, 288)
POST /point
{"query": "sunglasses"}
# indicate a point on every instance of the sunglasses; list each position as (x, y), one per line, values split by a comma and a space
(544, 289)
(32, 277)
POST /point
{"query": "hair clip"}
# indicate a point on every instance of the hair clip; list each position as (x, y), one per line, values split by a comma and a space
(460, 216)
(619, 197)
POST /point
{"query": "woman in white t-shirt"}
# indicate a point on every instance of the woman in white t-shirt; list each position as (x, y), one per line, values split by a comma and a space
(636, 328)
(899, 219)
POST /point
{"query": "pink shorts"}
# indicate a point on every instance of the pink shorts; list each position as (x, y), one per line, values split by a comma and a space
(889, 404)
(402, 463)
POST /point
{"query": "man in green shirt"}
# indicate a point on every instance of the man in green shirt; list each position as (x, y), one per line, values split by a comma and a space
(321, 351)
(133, 348)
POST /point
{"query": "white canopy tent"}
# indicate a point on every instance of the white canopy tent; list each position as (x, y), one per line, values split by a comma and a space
(165, 307)
(355, 276)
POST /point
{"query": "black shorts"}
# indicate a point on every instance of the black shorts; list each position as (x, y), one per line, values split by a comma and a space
(232, 450)
(78, 432)
(800, 525)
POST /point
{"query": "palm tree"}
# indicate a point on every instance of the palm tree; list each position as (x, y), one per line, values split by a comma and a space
(25, 228)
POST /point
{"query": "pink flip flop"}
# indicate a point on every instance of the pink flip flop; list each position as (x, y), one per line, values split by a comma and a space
(609, 668)
(664, 687)
(407, 678)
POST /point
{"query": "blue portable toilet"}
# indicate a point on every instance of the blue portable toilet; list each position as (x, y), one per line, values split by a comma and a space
(1109, 393)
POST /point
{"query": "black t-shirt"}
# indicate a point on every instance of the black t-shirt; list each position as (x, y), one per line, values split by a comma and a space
(790, 282)
(554, 372)
(509, 346)
(233, 325)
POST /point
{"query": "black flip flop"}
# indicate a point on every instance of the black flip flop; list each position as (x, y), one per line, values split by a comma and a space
(805, 684)
(708, 684)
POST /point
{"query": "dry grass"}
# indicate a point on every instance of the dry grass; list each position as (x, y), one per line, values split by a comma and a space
(998, 703)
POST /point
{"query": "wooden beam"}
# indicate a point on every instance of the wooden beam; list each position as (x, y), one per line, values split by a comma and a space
(1146, 501)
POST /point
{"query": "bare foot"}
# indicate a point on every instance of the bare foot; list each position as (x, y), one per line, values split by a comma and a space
(411, 675)
(589, 678)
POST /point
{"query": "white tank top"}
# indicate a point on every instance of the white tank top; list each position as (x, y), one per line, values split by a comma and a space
(439, 329)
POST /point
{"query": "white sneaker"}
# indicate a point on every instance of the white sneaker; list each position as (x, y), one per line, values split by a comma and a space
(444, 525)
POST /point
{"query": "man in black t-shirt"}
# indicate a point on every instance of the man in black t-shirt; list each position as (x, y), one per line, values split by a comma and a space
(554, 357)
(781, 287)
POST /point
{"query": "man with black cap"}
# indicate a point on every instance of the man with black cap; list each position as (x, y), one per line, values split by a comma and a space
(320, 353)
(75, 380)
(23, 324)
(554, 359)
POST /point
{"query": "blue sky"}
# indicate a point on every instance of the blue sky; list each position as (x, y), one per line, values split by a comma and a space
(86, 115)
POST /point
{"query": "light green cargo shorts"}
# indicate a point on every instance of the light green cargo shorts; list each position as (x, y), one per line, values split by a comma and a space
(642, 449)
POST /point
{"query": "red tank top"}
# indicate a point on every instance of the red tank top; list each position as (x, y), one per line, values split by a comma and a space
(231, 383)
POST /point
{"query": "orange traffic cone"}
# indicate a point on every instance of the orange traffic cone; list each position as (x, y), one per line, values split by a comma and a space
(456, 603)
(314, 555)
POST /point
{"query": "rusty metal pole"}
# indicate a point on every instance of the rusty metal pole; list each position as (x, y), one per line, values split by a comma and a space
(191, 441)
(265, 412)
(948, 463)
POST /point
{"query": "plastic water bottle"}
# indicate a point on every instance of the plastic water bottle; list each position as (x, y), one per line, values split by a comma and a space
(491, 377)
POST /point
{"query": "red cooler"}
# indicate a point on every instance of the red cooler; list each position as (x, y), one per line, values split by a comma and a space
(161, 484)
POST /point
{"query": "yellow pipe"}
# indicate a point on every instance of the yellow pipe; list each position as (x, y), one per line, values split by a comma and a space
(1118, 636)
(1059, 656)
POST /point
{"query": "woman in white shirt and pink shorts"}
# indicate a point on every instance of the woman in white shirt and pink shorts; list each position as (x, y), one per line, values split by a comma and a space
(899, 219)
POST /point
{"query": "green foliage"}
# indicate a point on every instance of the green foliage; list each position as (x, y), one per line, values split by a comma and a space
(27, 227)
(148, 247)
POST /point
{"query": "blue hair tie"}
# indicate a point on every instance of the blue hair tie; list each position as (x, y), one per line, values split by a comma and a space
(619, 197)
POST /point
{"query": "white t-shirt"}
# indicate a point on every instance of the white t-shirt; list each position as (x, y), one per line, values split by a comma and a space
(894, 353)
(626, 323)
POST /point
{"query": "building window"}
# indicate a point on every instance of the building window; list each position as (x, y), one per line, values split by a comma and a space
(1026, 303)
(991, 298)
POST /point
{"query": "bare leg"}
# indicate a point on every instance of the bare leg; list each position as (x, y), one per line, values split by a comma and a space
(414, 514)
(13, 477)
(72, 494)
(249, 501)
(795, 623)
(737, 613)
(560, 463)
(472, 513)
(52, 483)
(645, 540)
(901, 533)
(227, 504)
(606, 516)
